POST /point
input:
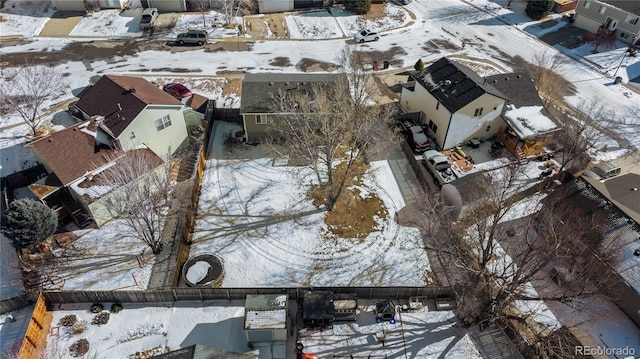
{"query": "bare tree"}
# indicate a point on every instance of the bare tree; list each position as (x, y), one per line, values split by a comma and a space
(232, 9)
(581, 130)
(543, 70)
(602, 37)
(492, 255)
(26, 90)
(203, 6)
(328, 131)
(142, 194)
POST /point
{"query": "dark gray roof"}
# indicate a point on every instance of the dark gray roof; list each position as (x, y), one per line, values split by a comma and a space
(318, 305)
(621, 189)
(199, 351)
(454, 85)
(632, 6)
(257, 89)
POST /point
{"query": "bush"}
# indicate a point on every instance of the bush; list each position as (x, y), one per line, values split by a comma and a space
(116, 308)
(68, 320)
(28, 222)
(101, 318)
(419, 66)
(358, 7)
(96, 308)
(79, 328)
(538, 9)
(79, 348)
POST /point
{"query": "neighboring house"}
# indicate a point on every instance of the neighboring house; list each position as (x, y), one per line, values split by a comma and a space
(529, 124)
(267, 6)
(618, 205)
(457, 103)
(622, 17)
(199, 351)
(88, 5)
(131, 112)
(168, 5)
(560, 6)
(257, 97)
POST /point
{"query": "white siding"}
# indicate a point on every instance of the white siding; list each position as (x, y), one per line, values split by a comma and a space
(163, 142)
(267, 6)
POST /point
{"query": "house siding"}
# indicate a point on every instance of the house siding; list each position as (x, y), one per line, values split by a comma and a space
(591, 19)
(254, 132)
(460, 126)
(162, 143)
(168, 5)
(79, 5)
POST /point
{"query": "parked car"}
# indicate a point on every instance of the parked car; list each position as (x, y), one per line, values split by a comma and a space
(439, 166)
(199, 37)
(177, 90)
(417, 139)
(149, 17)
(367, 35)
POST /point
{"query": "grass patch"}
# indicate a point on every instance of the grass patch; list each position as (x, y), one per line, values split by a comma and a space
(357, 212)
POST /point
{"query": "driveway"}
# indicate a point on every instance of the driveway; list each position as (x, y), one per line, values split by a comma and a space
(61, 24)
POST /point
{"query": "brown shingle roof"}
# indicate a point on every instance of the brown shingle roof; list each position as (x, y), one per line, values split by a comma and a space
(198, 103)
(120, 99)
(72, 152)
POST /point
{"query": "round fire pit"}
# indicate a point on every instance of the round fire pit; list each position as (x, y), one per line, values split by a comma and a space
(204, 270)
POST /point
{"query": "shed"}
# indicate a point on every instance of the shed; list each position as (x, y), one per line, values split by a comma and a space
(265, 319)
(317, 308)
(385, 310)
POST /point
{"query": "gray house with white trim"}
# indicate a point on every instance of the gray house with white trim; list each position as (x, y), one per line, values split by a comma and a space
(622, 17)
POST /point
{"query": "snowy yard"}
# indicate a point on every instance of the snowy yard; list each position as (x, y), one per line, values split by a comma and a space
(254, 214)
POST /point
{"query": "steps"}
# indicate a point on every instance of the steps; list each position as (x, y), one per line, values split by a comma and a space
(83, 219)
(184, 169)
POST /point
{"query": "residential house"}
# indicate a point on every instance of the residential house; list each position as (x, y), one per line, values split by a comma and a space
(529, 126)
(199, 351)
(268, 6)
(256, 104)
(131, 112)
(560, 6)
(88, 5)
(622, 17)
(72, 157)
(457, 103)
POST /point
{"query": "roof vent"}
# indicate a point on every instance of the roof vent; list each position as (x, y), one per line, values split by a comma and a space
(132, 90)
(287, 83)
(506, 79)
(447, 82)
(270, 83)
(519, 76)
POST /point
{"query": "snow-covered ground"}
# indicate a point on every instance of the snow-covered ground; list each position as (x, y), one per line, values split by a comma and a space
(255, 216)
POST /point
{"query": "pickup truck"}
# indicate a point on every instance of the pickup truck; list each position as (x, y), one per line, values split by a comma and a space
(149, 17)
(439, 166)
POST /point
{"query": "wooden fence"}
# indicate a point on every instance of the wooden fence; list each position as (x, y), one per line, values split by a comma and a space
(200, 294)
(39, 324)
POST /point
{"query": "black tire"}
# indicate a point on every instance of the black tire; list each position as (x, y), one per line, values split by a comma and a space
(180, 42)
(361, 40)
(376, 39)
(200, 43)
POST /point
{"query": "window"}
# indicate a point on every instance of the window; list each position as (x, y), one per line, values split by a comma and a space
(624, 35)
(586, 4)
(478, 112)
(632, 20)
(262, 119)
(433, 126)
(437, 105)
(163, 123)
(488, 128)
(602, 9)
(132, 135)
(495, 107)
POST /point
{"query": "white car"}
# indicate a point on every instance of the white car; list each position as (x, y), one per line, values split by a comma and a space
(367, 35)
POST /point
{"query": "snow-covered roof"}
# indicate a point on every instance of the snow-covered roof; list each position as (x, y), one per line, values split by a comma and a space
(265, 311)
(528, 121)
(266, 319)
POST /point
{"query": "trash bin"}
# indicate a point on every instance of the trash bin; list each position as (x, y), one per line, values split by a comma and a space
(385, 64)
(375, 65)
(617, 80)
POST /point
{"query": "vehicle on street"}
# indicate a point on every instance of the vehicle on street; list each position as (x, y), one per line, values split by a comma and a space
(417, 139)
(199, 37)
(148, 19)
(438, 164)
(367, 35)
(177, 90)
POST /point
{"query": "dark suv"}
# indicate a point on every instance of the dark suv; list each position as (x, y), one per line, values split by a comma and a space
(199, 37)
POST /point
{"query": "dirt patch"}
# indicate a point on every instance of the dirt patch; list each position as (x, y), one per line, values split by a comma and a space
(380, 56)
(436, 45)
(272, 26)
(311, 65)
(280, 61)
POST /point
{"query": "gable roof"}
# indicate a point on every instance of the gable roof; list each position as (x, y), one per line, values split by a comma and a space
(453, 85)
(258, 88)
(198, 103)
(72, 152)
(525, 112)
(120, 99)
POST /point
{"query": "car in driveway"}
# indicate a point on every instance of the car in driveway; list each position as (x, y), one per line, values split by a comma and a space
(197, 37)
(177, 90)
(367, 35)
(415, 136)
(148, 18)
